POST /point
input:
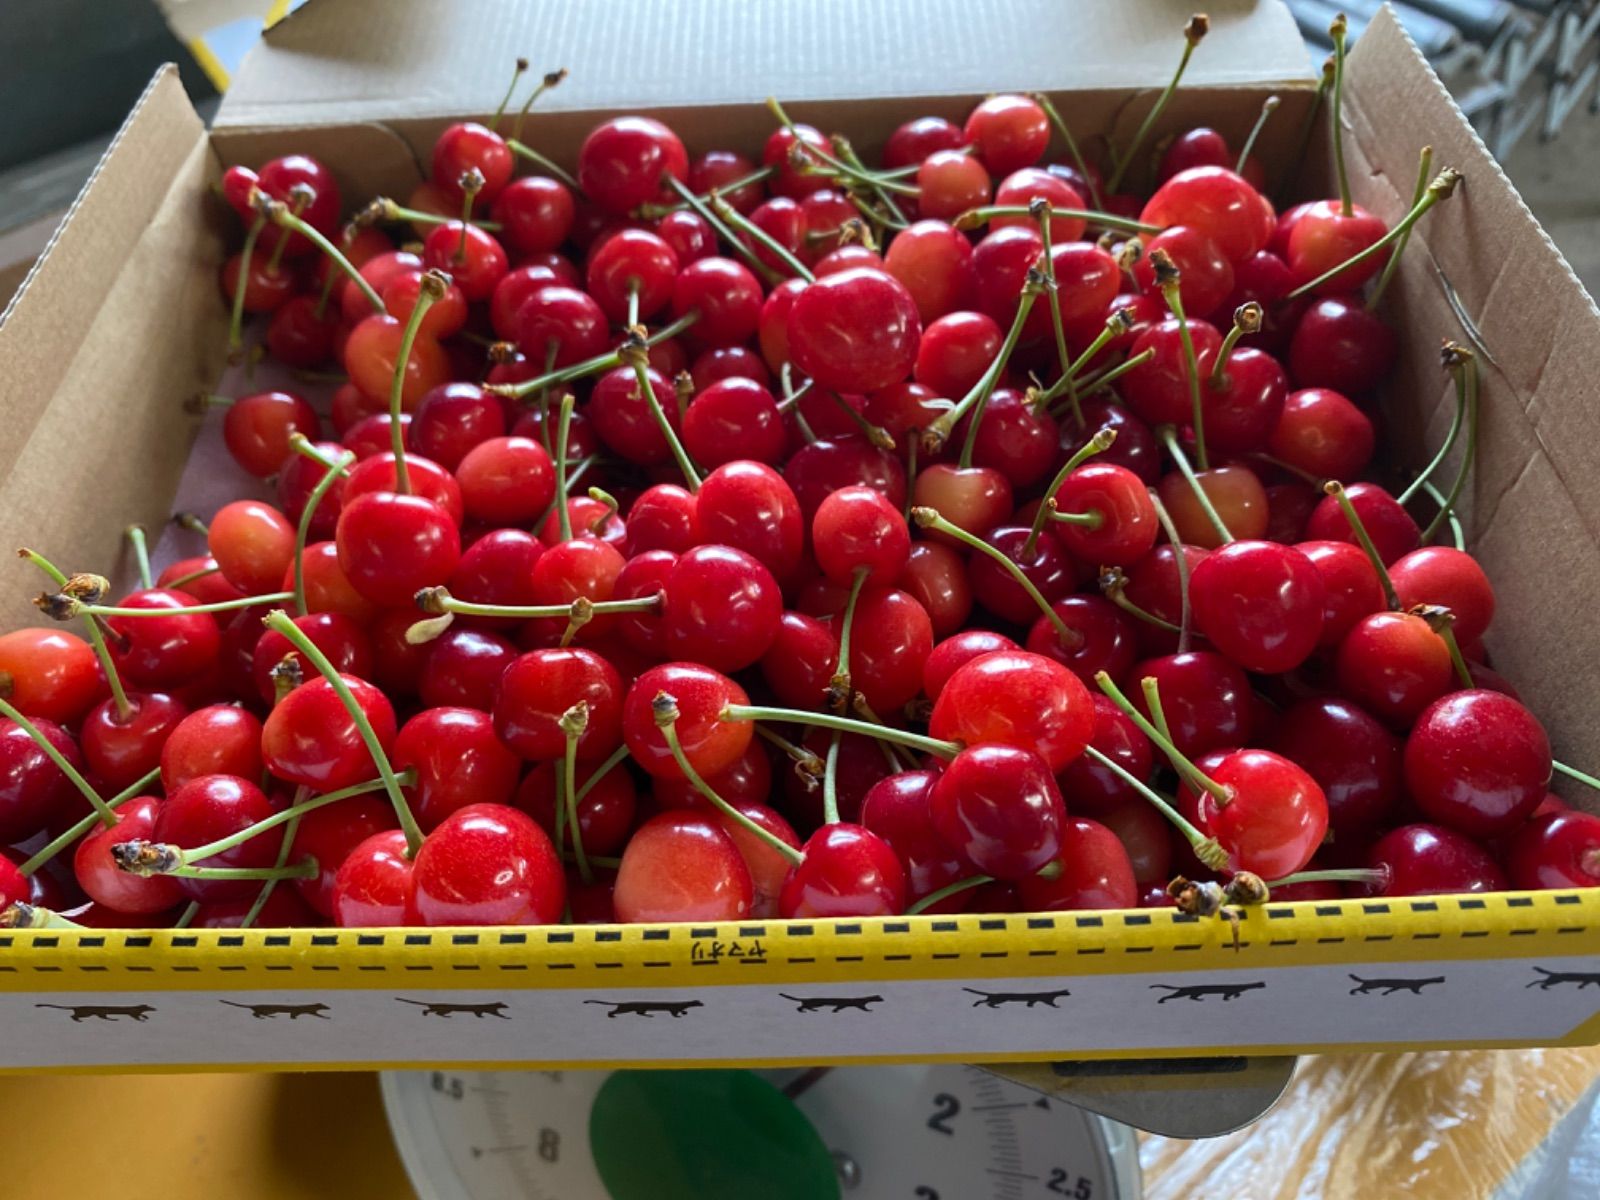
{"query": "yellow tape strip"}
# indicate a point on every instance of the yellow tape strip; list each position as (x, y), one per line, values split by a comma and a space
(209, 63)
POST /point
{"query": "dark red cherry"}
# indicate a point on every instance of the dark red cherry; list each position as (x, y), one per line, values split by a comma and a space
(1136, 447)
(1353, 758)
(1477, 762)
(164, 651)
(562, 318)
(935, 577)
(847, 871)
(891, 638)
(329, 835)
(1557, 850)
(955, 652)
(896, 809)
(1087, 784)
(118, 749)
(210, 807)
(722, 608)
(339, 637)
(1047, 566)
(1338, 344)
(462, 668)
(310, 739)
(1205, 697)
(1427, 860)
(731, 419)
(486, 864)
(1390, 527)
(816, 470)
(458, 761)
(605, 814)
(452, 419)
(999, 807)
(1321, 432)
(855, 331)
(1102, 637)
(857, 529)
(1096, 872)
(535, 214)
(623, 161)
(33, 790)
(725, 294)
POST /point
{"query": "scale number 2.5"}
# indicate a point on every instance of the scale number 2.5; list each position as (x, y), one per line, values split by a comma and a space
(1062, 1184)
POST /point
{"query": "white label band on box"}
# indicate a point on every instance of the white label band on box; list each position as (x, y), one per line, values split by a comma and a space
(1445, 971)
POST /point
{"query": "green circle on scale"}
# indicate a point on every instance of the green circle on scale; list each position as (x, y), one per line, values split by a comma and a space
(705, 1135)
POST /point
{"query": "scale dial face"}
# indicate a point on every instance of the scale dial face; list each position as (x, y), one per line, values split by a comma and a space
(941, 1132)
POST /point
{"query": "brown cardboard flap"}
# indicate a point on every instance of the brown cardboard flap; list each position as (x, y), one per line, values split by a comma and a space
(340, 62)
(118, 321)
(1532, 511)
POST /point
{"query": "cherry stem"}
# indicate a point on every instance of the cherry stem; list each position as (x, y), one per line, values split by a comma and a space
(589, 366)
(437, 601)
(612, 507)
(1168, 278)
(1060, 126)
(141, 554)
(805, 761)
(1117, 323)
(1464, 365)
(885, 733)
(78, 608)
(1169, 437)
(839, 688)
(302, 196)
(471, 184)
(743, 224)
(917, 907)
(1192, 33)
(665, 707)
(279, 620)
(22, 915)
(1205, 848)
(880, 186)
(830, 781)
(563, 433)
(973, 218)
(331, 474)
(104, 810)
(1424, 171)
(1113, 585)
(913, 443)
(573, 724)
(383, 208)
(278, 213)
(1041, 212)
(1181, 562)
(1458, 536)
(69, 837)
(1308, 124)
(285, 848)
(1457, 421)
(1246, 320)
(929, 518)
(1192, 774)
(1107, 378)
(550, 80)
(91, 625)
(516, 76)
(346, 237)
(1377, 876)
(651, 212)
(1102, 441)
(935, 436)
(604, 769)
(1442, 621)
(1336, 489)
(739, 245)
(431, 288)
(236, 317)
(1268, 107)
(1560, 767)
(876, 434)
(528, 152)
(178, 583)
(634, 355)
(1442, 187)
(306, 868)
(1337, 30)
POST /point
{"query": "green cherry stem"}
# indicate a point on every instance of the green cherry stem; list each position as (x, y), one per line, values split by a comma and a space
(1192, 774)
(141, 554)
(1442, 621)
(1168, 278)
(550, 80)
(523, 150)
(1169, 437)
(1205, 848)
(1113, 584)
(635, 355)
(604, 769)
(516, 76)
(589, 366)
(285, 848)
(382, 208)
(306, 868)
(105, 812)
(573, 724)
(839, 687)
(1463, 363)
(278, 213)
(1268, 107)
(1374, 876)
(1106, 378)
(830, 780)
(976, 218)
(1560, 767)
(1442, 187)
(738, 221)
(330, 476)
(1458, 536)
(1457, 422)
(236, 314)
(1336, 489)
(652, 212)
(69, 837)
(179, 583)
(1102, 441)
(279, 620)
(1192, 33)
(1040, 210)
(929, 518)
(1338, 31)
(92, 630)
(937, 433)
(67, 606)
(665, 710)
(1180, 560)
(740, 246)
(431, 288)
(917, 907)
(1060, 126)
(877, 183)
(1424, 170)
(563, 434)
(1117, 323)
(1302, 141)
(798, 716)
(1246, 320)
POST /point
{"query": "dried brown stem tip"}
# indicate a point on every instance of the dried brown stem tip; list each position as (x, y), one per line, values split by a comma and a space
(634, 351)
(1199, 25)
(471, 180)
(1038, 208)
(501, 352)
(1453, 355)
(1167, 273)
(1246, 887)
(924, 516)
(1247, 317)
(1438, 617)
(431, 600)
(146, 858)
(1203, 898)
(575, 720)
(664, 708)
(1338, 27)
(380, 209)
(58, 606)
(522, 64)
(552, 78)
(1128, 254)
(1444, 183)
(1037, 282)
(435, 282)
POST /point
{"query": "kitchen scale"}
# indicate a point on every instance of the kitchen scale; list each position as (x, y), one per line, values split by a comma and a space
(937, 1132)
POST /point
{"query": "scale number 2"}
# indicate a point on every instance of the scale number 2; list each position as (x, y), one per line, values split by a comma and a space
(1059, 1184)
(945, 1106)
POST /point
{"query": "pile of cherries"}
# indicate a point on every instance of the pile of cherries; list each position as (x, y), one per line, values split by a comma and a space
(699, 538)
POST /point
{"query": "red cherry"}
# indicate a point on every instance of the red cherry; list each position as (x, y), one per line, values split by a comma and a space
(998, 806)
(681, 866)
(1390, 527)
(1236, 494)
(975, 498)
(377, 473)
(934, 262)
(108, 884)
(164, 651)
(949, 183)
(1092, 787)
(1394, 666)
(857, 529)
(1158, 390)
(956, 349)
(462, 668)
(1353, 758)
(329, 835)
(252, 543)
(623, 417)
(1557, 850)
(779, 153)
(372, 351)
(584, 568)
(935, 577)
(631, 262)
(767, 867)
(1260, 604)
(1218, 203)
(750, 507)
(801, 661)
(1324, 236)
(446, 316)
(562, 318)
(458, 760)
(1016, 699)
(1047, 566)
(1205, 697)
(891, 638)
(340, 638)
(725, 294)
(209, 807)
(486, 864)
(391, 545)
(1101, 637)
(1096, 872)
(823, 467)
(1446, 576)
(121, 749)
(540, 686)
(1477, 762)
(721, 168)
(709, 743)
(1426, 860)
(535, 214)
(1321, 432)
(1136, 447)
(1338, 344)
(1275, 816)
(622, 162)
(218, 740)
(256, 429)
(847, 871)
(913, 141)
(731, 419)
(855, 331)
(1350, 588)
(310, 739)
(1008, 132)
(33, 790)
(373, 885)
(1205, 274)
(52, 674)
(1014, 439)
(469, 146)
(605, 814)
(1127, 527)
(896, 809)
(497, 569)
(722, 608)
(452, 419)
(664, 517)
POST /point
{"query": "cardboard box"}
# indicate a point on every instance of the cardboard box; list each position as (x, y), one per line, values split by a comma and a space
(121, 319)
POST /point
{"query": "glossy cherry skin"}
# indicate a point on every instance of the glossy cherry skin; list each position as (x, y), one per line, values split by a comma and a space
(377, 473)
(458, 760)
(710, 744)
(725, 294)
(1390, 527)
(209, 807)
(896, 809)
(52, 673)
(734, 419)
(540, 686)
(1325, 236)
(1260, 604)
(119, 751)
(1096, 872)
(1102, 637)
(848, 871)
(497, 569)
(1276, 816)
(857, 529)
(631, 261)
(1353, 758)
(975, 498)
(1218, 203)
(1394, 666)
(163, 651)
(585, 567)
(681, 866)
(750, 507)
(890, 640)
(33, 790)
(1321, 432)
(486, 864)
(1013, 439)
(605, 814)
(1089, 786)
(218, 740)
(1556, 850)
(391, 545)
(1449, 577)
(462, 668)
(1016, 699)
(955, 652)
(622, 162)
(341, 639)
(452, 419)
(329, 835)
(106, 883)
(1128, 525)
(466, 146)
(256, 429)
(1428, 860)
(934, 261)
(1350, 587)
(535, 214)
(1009, 132)
(1205, 274)
(1158, 390)
(722, 608)
(1136, 447)
(623, 417)
(1047, 566)
(1477, 762)
(1204, 695)
(855, 331)
(252, 543)
(1234, 491)
(949, 183)
(998, 806)
(565, 318)
(373, 885)
(935, 577)
(309, 738)
(1338, 344)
